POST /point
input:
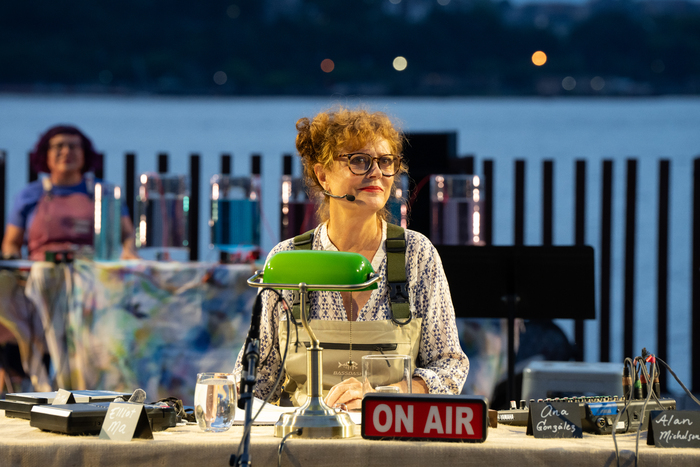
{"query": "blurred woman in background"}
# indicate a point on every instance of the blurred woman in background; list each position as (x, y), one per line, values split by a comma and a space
(56, 213)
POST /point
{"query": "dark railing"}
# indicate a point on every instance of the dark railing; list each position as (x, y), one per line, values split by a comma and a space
(605, 249)
(581, 181)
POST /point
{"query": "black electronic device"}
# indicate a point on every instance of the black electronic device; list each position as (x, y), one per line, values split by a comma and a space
(86, 419)
(19, 404)
(531, 282)
(598, 413)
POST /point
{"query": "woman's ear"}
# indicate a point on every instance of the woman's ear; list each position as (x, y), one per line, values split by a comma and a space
(320, 174)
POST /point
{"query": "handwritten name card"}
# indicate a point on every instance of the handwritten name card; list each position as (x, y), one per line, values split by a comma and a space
(554, 420)
(125, 421)
(674, 429)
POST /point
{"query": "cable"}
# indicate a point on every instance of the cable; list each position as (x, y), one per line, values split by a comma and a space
(279, 375)
(281, 446)
(678, 380)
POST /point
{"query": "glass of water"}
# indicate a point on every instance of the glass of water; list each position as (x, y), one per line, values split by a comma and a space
(215, 401)
(386, 373)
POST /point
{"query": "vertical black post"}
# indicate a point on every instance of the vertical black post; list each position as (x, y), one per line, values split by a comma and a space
(487, 215)
(99, 165)
(255, 164)
(163, 163)
(130, 181)
(662, 268)
(630, 248)
(226, 164)
(580, 240)
(31, 176)
(695, 326)
(519, 203)
(468, 164)
(3, 192)
(547, 202)
(287, 164)
(193, 215)
(605, 259)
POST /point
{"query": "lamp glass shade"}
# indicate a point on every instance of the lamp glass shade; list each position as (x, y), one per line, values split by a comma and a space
(324, 269)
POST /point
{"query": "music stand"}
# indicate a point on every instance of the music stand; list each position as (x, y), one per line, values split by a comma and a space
(531, 282)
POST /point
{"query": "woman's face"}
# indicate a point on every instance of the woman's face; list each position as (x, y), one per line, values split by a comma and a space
(371, 190)
(65, 154)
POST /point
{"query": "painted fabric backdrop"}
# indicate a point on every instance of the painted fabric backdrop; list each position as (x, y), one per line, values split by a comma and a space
(131, 324)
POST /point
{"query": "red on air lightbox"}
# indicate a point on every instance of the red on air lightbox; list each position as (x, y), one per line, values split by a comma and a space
(425, 417)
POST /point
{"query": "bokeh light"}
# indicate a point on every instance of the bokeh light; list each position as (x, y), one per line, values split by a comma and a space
(443, 2)
(539, 58)
(597, 83)
(327, 65)
(220, 78)
(657, 66)
(400, 63)
(568, 83)
(233, 11)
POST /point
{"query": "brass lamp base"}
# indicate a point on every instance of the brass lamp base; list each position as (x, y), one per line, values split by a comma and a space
(316, 420)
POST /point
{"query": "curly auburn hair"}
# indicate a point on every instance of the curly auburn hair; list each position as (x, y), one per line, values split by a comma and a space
(337, 130)
(37, 158)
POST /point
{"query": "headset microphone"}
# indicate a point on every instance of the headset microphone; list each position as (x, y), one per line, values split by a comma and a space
(346, 196)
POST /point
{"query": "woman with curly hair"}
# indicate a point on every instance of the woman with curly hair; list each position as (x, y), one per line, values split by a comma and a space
(351, 159)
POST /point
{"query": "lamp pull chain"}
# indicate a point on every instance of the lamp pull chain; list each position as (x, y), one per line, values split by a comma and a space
(351, 364)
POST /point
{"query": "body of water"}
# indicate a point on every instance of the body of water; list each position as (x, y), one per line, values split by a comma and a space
(502, 129)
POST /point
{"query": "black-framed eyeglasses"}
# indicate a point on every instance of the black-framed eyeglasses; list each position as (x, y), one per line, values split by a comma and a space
(360, 163)
(70, 146)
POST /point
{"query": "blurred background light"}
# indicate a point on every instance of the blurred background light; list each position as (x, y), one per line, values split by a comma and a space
(443, 2)
(400, 63)
(539, 58)
(327, 65)
(233, 11)
(568, 83)
(597, 83)
(657, 66)
(220, 78)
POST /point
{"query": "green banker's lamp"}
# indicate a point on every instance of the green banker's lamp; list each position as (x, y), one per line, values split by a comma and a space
(306, 271)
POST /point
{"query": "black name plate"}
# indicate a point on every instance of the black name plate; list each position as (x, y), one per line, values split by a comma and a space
(63, 397)
(125, 421)
(554, 420)
(674, 429)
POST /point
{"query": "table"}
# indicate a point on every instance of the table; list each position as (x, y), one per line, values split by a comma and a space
(129, 324)
(22, 445)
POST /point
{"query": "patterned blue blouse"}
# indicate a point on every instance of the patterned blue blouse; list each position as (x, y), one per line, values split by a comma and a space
(441, 362)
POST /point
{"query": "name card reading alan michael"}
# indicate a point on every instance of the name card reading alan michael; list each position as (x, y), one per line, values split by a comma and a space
(552, 419)
(425, 417)
(674, 429)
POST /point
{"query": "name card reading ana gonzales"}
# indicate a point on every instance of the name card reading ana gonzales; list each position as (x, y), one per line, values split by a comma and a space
(674, 429)
(412, 417)
(125, 421)
(554, 420)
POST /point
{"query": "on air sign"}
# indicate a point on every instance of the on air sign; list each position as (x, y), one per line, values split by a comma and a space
(424, 417)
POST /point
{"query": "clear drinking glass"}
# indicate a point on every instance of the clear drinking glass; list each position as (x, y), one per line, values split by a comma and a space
(107, 240)
(456, 205)
(386, 374)
(235, 214)
(215, 401)
(162, 220)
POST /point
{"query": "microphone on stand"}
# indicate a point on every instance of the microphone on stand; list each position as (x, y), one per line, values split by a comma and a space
(346, 196)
